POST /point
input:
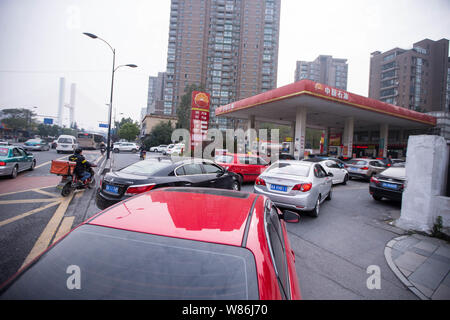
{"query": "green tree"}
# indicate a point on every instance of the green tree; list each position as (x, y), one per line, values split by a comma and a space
(184, 108)
(129, 131)
(160, 134)
(19, 119)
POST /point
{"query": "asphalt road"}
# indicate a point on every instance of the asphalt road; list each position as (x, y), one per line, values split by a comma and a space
(333, 251)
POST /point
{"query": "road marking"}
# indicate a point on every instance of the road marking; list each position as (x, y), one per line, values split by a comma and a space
(45, 163)
(30, 200)
(44, 239)
(27, 190)
(26, 214)
(65, 227)
(46, 193)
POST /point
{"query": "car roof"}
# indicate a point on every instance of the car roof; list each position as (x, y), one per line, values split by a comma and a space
(187, 213)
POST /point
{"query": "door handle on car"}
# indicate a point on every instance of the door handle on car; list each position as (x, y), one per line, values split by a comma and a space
(188, 184)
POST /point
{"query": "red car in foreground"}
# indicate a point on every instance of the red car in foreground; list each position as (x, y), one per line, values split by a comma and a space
(249, 167)
(171, 243)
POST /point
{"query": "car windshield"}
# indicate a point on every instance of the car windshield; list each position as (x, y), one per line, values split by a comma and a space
(64, 140)
(34, 141)
(146, 167)
(296, 169)
(4, 152)
(119, 264)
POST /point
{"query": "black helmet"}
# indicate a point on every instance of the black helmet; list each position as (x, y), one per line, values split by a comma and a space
(78, 150)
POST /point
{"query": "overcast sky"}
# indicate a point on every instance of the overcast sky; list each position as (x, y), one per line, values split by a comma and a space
(41, 41)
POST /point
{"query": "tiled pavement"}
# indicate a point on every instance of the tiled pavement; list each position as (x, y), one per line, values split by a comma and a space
(422, 263)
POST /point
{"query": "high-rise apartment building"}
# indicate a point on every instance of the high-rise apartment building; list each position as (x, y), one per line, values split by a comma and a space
(228, 46)
(325, 69)
(155, 96)
(414, 79)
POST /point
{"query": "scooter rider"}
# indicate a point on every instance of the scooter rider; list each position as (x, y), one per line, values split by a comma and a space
(82, 166)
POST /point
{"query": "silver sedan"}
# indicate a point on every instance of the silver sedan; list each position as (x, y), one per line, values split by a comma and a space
(298, 185)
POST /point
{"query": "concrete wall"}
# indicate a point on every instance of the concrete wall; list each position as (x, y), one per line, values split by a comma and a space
(427, 162)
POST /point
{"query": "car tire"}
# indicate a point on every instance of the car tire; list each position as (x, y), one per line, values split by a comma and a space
(330, 195)
(235, 186)
(33, 164)
(315, 212)
(133, 150)
(346, 178)
(377, 197)
(116, 150)
(14, 172)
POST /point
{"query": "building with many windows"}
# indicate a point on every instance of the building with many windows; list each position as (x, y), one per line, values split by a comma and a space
(325, 69)
(155, 104)
(228, 46)
(415, 79)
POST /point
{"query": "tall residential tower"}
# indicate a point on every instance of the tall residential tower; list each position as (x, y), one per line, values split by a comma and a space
(228, 46)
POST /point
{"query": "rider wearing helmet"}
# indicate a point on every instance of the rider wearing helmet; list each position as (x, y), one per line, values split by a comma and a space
(82, 166)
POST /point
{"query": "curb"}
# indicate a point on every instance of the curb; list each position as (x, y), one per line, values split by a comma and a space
(397, 272)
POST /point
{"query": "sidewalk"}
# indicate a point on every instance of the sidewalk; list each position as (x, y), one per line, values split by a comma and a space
(422, 263)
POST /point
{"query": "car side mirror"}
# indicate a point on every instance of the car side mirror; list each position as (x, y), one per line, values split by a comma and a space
(290, 216)
(330, 174)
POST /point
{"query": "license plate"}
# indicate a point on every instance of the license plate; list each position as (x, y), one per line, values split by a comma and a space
(112, 189)
(389, 185)
(278, 188)
(353, 169)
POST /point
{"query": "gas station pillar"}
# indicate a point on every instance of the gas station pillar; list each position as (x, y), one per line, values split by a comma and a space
(384, 135)
(347, 138)
(300, 133)
(251, 131)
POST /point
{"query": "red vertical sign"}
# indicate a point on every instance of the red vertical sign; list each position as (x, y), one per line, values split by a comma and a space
(199, 117)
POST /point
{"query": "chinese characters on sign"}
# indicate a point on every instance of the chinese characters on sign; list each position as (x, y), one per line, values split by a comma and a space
(332, 92)
(199, 117)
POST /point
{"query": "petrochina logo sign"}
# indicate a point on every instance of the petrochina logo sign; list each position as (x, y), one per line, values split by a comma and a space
(200, 100)
(332, 92)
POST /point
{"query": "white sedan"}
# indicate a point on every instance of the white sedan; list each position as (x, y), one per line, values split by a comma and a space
(340, 175)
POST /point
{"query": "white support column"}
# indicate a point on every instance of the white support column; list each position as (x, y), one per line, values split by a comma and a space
(384, 135)
(300, 133)
(251, 134)
(347, 137)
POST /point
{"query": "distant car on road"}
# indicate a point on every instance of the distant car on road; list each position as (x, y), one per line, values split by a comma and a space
(340, 175)
(364, 168)
(177, 150)
(160, 148)
(66, 143)
(125, 146)
(36, 145)
(249, 167)
(14, 159)
(5, 143)
(172, 244)
(154, 173)
(389, 183)
(296, 185)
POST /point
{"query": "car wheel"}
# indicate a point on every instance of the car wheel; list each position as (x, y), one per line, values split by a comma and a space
(57, 151)
(14, 172)
(33, 164)
(329, 195)
(236, 186)
(346, 178)
(133, 150)
(315, 212)
(377, 197)
(116, 150)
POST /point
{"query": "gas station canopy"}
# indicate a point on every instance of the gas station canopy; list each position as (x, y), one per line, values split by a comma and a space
(326, 107)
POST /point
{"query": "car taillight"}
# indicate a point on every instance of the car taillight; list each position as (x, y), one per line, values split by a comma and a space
(2, 163)
(365, 168)
(260, 182)
(303, 187)
(139, 188)
(374, 180)
(388, 164)
(345, 166)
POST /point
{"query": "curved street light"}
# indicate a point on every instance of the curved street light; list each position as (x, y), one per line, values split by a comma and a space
(114, 68)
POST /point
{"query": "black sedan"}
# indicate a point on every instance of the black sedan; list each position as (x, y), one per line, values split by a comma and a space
(388, 184)
(154, 173)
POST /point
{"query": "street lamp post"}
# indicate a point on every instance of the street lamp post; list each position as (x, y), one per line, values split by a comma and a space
(114, 68)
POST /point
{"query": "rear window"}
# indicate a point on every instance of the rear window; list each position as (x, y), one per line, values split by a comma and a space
(223, 159)
(146, 167)
(357, 162)
(397, 173)
(119, 264)
(289, 168)
(64, 140)
(4, 151)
